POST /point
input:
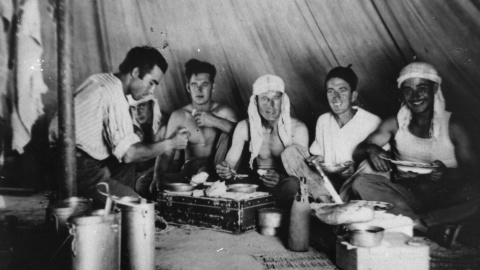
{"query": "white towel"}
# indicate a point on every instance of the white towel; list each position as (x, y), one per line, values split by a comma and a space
(29, 83)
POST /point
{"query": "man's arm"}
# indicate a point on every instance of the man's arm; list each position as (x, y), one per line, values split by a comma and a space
(240, 136)
(464, 153)
(140, 151)
(300, 134)
(372, 146)
(223, 119)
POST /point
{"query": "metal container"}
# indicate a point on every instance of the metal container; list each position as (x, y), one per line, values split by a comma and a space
(269, 219)
(96, 241)
(179, 187)
(138, 233)
(58, 213)
(244, 188)
(368, 237)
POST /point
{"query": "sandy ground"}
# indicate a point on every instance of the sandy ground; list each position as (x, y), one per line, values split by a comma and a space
(181, 247)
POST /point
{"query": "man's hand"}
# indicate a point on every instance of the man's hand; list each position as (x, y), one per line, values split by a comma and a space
(348, 172)
(204, 119)
(180, 138)
(379, 164)
(317, 159)
(270, 178)
(224, 171)
(154, 185)
(437, 172)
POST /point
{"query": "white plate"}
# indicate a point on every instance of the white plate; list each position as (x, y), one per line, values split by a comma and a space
(412, 166)
(334, 168)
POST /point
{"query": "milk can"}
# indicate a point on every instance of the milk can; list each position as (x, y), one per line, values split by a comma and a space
(138, 233)
(58, 213)
(96, 241)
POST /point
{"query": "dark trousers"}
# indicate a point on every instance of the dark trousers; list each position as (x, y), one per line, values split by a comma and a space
(120, 178)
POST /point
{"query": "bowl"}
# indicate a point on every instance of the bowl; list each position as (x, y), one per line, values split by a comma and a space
(179, 187)
(245, 188)
(365, 236)
(333, 167)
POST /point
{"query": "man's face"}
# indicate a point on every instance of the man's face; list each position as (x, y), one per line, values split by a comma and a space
(270, 105)
(340, 95)
(140, 87)
(418, 94)
(200, 88)
(143, 113)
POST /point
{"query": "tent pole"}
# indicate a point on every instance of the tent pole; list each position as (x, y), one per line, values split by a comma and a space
(66, 116)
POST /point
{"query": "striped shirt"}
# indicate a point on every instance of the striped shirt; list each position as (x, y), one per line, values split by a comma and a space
(103, 125)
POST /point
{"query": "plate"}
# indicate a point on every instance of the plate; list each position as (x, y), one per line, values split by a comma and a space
(179, 187)
(412, 166)
(377, 205)
(334, 168)
(245, 188)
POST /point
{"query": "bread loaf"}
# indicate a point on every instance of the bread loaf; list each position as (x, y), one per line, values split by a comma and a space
(217, 189)
(336, 214)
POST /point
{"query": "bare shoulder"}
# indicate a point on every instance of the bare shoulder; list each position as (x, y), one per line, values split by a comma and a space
(224, 111)
(457, 129)
(181, 114)
(242, 129)
(389, 125)
(297, 124)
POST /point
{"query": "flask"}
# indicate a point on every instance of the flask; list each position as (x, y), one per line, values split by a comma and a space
(299, 229)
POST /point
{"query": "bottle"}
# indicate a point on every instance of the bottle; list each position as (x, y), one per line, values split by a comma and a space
(299, 229)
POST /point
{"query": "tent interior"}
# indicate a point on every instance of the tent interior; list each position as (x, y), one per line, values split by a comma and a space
(299, 40)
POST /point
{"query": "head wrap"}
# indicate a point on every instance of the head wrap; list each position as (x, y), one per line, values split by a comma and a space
(157, 115)
(344, 73)
(425, 71)
(262, 85)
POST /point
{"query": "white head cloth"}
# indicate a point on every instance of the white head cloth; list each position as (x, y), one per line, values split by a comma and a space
(425, 71)
(262, 85)
(157, 115)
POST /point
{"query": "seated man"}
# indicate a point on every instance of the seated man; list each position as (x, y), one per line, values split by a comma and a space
(105, 140)
(269, 129)
(338, 132)
(149, 126)
(422, 131)
(209, 123)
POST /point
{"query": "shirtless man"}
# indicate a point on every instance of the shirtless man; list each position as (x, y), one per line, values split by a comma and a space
(269, 129)
(209, 123)
(422, 131)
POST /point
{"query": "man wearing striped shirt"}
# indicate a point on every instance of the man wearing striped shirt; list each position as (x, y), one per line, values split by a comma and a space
(105, 140)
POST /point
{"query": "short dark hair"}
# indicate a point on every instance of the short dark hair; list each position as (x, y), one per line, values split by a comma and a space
(194, 66)
(344, 73)
(145, 58)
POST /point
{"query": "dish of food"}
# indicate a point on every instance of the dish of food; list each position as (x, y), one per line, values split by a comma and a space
(179, 187)
(245, 188)
(376, 205)
(333, 167)
(412, 166)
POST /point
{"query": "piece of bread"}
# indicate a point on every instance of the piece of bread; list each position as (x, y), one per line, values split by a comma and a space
(336, 214)
(217, 189)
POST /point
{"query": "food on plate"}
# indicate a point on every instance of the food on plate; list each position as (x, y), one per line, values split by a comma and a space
(199, 178)
(336, 214)
(198, 193)
(261, 172)
(376, 205)
(216, 189)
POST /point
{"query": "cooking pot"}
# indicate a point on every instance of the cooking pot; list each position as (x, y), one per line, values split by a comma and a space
(365, 236)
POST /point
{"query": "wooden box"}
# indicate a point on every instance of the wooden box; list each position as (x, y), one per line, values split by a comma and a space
(393, 254)
(221, 214)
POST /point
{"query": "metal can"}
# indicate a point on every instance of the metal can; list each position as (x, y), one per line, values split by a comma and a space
(138, 233)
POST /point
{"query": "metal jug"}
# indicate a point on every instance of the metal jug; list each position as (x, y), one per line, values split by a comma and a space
(96, 241)
(138, 233)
